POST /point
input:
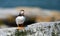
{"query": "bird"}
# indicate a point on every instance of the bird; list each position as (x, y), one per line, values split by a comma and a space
(20, 19)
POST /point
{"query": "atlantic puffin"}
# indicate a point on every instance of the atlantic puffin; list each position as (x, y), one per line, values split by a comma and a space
(20, 20)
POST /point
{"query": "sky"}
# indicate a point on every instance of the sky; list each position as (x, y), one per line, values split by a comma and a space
(46, 4)
(11, 4)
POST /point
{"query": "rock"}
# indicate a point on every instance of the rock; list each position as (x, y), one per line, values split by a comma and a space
(36, 29)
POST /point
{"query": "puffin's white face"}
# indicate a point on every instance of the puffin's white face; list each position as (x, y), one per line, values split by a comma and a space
(22, 12)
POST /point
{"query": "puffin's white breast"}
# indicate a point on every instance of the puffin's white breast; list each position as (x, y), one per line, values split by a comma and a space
(20, 20)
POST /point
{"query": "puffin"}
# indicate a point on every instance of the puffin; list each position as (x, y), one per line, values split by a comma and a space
(20, 19)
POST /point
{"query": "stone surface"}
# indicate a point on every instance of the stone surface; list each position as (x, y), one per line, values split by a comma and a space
(37, 29)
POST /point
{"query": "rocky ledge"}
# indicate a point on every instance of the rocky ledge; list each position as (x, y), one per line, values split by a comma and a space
(36, 29)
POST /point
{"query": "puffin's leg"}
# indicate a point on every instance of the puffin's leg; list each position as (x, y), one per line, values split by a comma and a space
(18, 26)
(22, 26)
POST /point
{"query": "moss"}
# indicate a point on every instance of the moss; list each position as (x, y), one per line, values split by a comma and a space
(20, 33)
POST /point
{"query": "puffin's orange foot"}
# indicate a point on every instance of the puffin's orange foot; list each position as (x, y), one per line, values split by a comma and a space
(20, 28)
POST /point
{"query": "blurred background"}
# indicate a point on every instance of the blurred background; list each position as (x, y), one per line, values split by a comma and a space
(35, 11)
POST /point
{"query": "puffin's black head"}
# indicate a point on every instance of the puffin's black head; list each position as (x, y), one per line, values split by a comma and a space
(21, 13)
